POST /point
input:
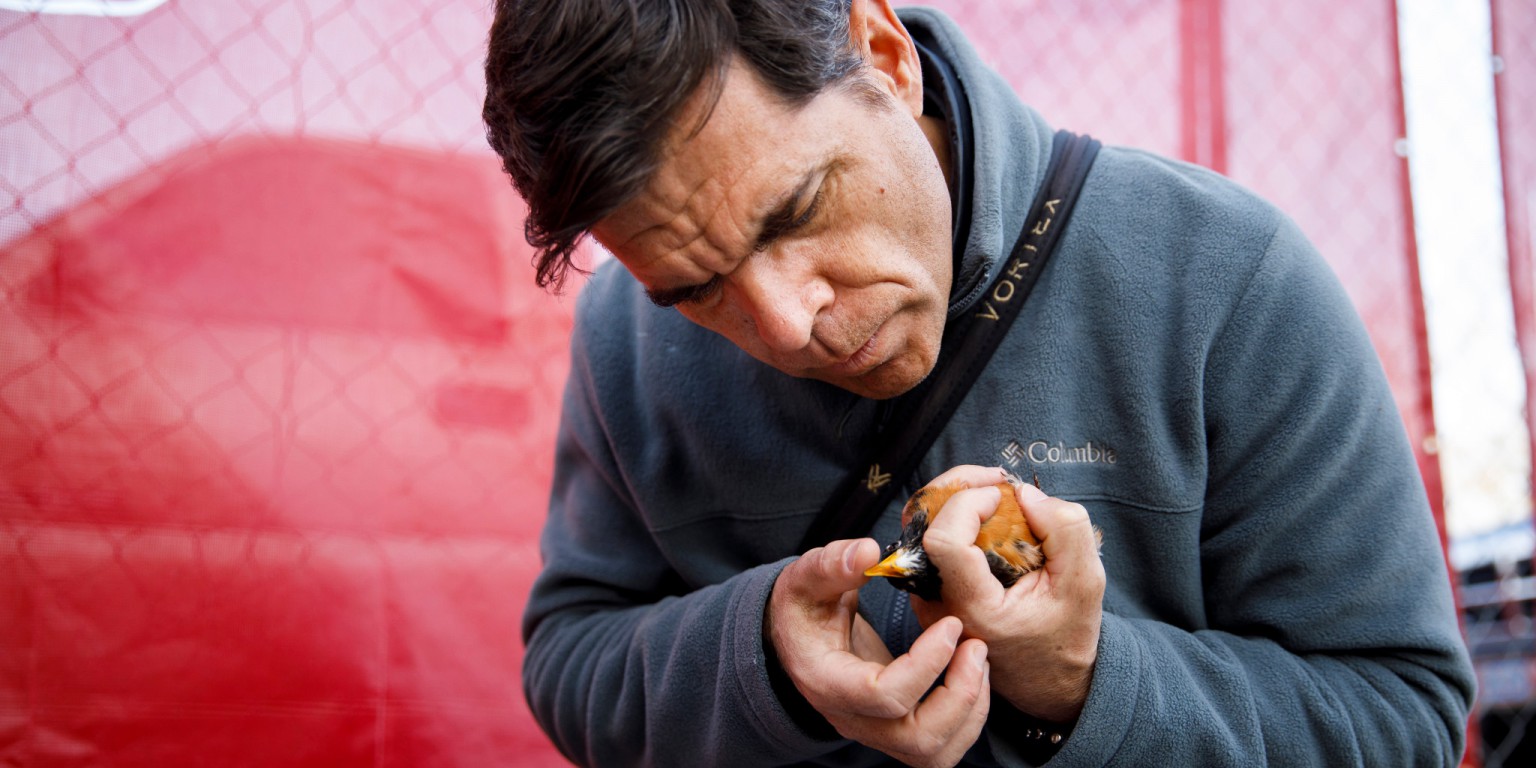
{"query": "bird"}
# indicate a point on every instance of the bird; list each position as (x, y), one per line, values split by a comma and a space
(1011, 548)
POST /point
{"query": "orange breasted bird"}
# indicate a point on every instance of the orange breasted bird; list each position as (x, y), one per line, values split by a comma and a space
(1010, 546)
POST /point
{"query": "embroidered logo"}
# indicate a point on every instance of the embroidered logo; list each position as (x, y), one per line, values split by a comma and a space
(876, 478)
(1045, 452)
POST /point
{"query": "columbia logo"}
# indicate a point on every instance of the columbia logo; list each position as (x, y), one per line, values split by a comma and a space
(1044, 452)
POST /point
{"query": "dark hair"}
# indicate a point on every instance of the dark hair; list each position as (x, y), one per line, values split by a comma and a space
(580, 93)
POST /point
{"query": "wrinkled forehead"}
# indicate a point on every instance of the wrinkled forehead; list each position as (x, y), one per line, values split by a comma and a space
(725, 158)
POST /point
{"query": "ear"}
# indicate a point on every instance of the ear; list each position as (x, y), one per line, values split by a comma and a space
(888, 51)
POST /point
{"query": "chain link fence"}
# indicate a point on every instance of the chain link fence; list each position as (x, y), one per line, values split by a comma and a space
(277, 394)
(1499, 591)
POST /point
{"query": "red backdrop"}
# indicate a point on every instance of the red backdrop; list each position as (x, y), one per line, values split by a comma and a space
(277, 394)
(1514, 41)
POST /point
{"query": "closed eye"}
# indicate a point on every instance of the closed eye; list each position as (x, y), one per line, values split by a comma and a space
(808, 215)
(775, 228)
(671, 297)
(784, 220)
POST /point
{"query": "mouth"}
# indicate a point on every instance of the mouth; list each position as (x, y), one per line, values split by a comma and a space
(863, 360)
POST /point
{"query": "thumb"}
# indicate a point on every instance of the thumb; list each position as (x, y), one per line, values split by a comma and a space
(824, 574)
(1066, 535)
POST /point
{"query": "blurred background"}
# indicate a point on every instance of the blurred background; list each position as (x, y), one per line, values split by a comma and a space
(277, 394)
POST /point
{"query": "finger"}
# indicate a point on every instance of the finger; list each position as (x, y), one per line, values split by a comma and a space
(949, 721)
(824, 574)
(940, 729)
(970, 475)
(895, 690)
(814, 598)
(1066, 534)
(976, 720)
(963, 686)
(962, 476)
(951, 545)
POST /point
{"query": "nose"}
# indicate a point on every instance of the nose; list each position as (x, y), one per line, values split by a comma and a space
(782, 300)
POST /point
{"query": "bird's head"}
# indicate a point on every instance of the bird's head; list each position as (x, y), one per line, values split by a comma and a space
(905, 562)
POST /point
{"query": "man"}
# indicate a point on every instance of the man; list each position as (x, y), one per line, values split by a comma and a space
(800, 197)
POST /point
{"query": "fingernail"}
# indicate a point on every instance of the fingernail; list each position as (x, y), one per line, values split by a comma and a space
(1028, 492)
(851, 557)
(979, 657)
(953, 632)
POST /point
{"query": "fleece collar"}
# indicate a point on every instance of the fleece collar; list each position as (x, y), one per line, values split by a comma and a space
(1010, 147)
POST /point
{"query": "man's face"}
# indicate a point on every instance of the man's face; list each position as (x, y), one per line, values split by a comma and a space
(816, 238)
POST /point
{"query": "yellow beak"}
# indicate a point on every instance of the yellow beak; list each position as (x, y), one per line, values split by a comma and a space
(888, 567)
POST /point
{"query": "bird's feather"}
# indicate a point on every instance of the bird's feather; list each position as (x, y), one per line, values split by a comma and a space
(1011, 548)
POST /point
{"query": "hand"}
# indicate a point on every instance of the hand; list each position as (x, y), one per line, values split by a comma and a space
(1044, 630)
(837, 661)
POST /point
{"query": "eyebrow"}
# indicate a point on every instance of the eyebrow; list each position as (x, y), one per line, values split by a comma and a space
(775, 225)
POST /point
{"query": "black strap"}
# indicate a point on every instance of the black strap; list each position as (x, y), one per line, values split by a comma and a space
(968, 344)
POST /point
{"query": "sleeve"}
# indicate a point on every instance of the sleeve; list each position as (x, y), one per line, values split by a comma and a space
(625, 665)
(1331, 636)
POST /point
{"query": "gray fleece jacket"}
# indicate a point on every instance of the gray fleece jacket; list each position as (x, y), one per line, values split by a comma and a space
(1187, 368)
